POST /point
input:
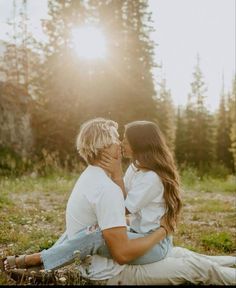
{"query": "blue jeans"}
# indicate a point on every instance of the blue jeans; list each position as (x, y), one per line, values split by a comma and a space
(90, 243)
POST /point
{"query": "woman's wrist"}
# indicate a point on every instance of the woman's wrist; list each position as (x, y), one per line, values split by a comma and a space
(117, 177)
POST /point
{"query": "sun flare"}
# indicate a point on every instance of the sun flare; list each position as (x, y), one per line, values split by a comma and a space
(89, 42)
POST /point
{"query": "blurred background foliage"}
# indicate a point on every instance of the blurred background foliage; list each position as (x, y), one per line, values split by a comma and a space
(48, 91)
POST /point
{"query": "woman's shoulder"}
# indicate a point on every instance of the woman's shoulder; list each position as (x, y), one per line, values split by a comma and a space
(146, 175)
(151, 175)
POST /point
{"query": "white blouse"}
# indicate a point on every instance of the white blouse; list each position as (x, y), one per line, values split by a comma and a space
(144, 199)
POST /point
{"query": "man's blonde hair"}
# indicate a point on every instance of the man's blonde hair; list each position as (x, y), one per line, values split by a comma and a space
(95, 135)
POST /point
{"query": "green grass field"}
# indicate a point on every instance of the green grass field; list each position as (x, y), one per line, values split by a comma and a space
(32, 216)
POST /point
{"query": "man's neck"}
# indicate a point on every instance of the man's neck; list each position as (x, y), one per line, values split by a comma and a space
(96, 164)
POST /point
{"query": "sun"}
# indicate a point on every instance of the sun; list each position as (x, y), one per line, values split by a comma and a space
(89, 42)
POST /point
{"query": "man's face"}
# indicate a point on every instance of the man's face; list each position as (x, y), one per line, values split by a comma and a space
(114, 150)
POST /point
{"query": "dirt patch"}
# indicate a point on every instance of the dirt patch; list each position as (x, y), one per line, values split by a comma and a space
(43, 201)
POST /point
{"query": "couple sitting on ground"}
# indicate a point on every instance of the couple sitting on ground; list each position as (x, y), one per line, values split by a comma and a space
(140, 252)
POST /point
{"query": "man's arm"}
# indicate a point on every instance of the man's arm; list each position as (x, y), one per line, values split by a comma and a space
(123, 249)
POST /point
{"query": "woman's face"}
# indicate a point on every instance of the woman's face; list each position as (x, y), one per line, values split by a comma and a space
(126, 149)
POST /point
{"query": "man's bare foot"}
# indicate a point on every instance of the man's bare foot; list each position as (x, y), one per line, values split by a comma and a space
(23, 261)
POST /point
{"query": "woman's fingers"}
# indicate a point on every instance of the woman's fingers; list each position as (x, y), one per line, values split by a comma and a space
(105, 155)
(105, 161)
(105, 166)
(105, 158)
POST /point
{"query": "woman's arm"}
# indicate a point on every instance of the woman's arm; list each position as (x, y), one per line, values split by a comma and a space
(114, 168)
(120, 182)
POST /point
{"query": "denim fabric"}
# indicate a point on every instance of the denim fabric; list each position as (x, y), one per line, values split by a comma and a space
(89, 243)
(155, 254)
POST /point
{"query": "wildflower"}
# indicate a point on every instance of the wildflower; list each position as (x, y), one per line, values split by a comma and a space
(42, 271)
(62, 279)
(76, 252)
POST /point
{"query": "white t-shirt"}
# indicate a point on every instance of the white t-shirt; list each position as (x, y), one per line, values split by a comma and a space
(144, 199)
(96, 199)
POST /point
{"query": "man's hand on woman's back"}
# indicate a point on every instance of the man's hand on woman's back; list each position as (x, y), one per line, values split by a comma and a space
(164, 223)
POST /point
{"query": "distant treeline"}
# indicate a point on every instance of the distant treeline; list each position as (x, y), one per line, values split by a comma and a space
(66, 90)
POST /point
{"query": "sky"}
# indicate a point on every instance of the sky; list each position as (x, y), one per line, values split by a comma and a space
(183, 29)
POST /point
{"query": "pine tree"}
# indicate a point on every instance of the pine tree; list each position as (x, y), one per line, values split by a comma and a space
(166, 113)
(129, 78)
(72, 90)
(223, 155)
(20, 60)
(199, 124)
(190, 144)
(140, 54)
(180, 137)
(60, 82)
(232, 118)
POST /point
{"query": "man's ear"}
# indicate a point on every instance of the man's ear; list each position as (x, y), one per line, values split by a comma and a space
(99, 154)
(106, 150)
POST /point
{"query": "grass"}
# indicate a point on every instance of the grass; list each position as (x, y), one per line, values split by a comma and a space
(40, 184)
(221, 240)
(32, 216)
(4, 200)
(208, 182)
(214, 185)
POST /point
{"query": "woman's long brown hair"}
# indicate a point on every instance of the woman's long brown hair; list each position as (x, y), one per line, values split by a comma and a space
(151, 152)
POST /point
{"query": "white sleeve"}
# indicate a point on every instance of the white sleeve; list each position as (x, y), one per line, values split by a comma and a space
(143, 192)
(110, 209)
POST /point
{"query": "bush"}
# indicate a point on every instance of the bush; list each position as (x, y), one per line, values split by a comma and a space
(189, 176)
(11, 163)
(40, 164)
(218, 171)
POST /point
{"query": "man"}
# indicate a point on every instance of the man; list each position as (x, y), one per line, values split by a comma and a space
(96, 199)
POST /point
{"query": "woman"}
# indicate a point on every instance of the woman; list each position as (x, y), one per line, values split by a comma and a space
(151, 183)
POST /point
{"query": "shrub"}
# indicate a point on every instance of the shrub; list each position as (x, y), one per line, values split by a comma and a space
(189, 176)
(12, 163)
(42, 163)
(218, 171)
(219, 240)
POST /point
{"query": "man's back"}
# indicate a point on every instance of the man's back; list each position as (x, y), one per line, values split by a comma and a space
(92, 190)
(96, 199)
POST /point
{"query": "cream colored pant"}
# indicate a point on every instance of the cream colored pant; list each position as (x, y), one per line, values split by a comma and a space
(181, 266)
